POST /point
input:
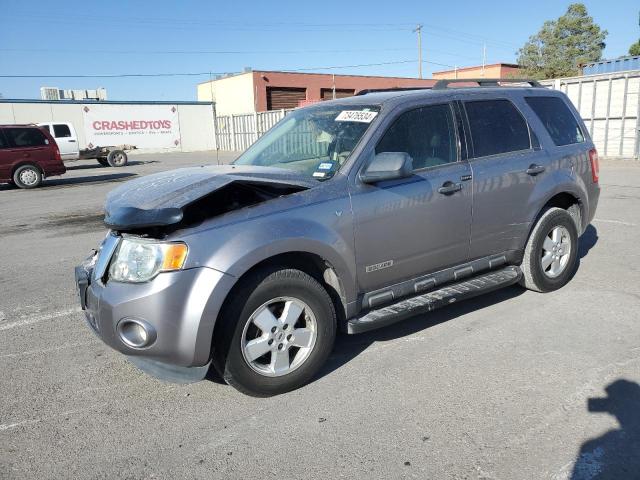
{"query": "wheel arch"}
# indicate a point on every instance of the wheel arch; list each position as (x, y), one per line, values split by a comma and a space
(313, 264)
(22, 163)
(564, 199)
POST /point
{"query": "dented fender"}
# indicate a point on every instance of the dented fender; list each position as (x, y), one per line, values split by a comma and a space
(323, 229)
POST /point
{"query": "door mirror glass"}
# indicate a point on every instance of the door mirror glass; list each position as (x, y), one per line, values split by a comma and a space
(387, 166)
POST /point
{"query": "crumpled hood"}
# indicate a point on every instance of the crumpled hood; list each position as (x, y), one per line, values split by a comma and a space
(159, 199)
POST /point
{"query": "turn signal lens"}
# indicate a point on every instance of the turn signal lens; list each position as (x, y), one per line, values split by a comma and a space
(174, 256)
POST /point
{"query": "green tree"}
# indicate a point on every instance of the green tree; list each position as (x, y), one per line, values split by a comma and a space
(634, 49)
(561, 45)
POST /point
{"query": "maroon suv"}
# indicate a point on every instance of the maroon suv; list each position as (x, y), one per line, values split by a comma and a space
(27, 155)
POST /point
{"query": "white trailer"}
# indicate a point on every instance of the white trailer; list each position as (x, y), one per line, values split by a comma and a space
(67, 140)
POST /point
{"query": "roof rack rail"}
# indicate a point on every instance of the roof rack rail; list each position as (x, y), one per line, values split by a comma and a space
(485, 82)
(396, 89)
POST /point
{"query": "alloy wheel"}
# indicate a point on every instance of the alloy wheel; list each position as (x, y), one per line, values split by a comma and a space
(556, 251)
(279, 336)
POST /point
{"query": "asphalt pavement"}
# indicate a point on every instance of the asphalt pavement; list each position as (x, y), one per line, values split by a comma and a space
(512, 385)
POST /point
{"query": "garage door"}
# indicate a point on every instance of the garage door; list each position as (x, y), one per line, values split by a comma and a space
(327, 93)
(283, 97)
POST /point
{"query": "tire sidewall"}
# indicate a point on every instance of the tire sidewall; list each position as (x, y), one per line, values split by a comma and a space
(19, 170)
(236, 370)
(112, 155)
(550, 220)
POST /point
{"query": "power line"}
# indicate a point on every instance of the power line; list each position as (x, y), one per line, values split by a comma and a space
(223, 52)
(344, 27)
(199, 52)
(194, 74)
(226, 25)
(199, 21)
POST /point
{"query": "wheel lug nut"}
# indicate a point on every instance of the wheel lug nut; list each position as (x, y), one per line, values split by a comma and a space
(289, 337)
(280, 347)
(273, 329)
(270, 342)
(286, 325)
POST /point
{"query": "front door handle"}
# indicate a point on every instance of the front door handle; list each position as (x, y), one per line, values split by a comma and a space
(535, 169)
(449, 187)
(26, 155)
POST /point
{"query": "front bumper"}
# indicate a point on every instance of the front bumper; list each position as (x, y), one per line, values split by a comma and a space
(181, 307)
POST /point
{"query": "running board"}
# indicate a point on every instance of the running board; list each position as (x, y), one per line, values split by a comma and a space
(448, 294)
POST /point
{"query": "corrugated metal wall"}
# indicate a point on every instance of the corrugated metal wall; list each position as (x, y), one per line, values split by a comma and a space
(609, 104)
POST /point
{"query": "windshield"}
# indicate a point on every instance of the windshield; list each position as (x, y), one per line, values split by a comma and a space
(312, 141)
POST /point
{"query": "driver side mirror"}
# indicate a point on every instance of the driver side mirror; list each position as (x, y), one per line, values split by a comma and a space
(388, 166)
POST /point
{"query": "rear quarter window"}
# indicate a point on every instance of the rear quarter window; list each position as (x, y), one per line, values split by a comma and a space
(26, 137)
(496, 127)
(553, 112)
(3, 141)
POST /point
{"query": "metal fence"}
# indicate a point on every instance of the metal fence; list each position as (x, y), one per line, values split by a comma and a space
(610, 106)
(238, 132)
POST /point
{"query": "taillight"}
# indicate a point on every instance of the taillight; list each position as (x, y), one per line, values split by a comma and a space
(595, 165)
(57, 155)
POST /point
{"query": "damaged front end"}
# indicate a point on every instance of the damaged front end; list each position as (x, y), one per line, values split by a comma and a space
(137, 291)
(188, 196)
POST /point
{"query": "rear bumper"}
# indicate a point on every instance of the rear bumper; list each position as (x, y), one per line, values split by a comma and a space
(180, 307)
(52, 171)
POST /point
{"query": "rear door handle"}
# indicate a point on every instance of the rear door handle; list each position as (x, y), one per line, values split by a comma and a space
(26, 155)
(449, 187)
(72, 141)
(535, 169)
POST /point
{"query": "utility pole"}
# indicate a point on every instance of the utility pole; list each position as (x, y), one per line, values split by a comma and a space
(418, 30)
(484, 57)
(334, 86)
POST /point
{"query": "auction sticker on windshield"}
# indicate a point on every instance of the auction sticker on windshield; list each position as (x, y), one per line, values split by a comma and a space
(362, 116)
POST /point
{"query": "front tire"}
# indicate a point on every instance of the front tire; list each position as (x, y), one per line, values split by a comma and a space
(551, 253)
(27, 176)
(279, 329)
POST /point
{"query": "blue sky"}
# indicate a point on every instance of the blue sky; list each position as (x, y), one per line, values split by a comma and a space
(122, 37)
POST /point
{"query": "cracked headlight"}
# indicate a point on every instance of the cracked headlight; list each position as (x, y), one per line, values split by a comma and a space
(140, 260)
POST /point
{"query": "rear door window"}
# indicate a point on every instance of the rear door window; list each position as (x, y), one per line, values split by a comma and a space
(61, 130)
(496, 127)
(427, 134)
(558, 120)
(3, 142)
(26, 137)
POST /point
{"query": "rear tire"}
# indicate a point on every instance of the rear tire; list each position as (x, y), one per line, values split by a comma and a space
(117, 158)
(284, 313)
(550, 256)
(27, 176)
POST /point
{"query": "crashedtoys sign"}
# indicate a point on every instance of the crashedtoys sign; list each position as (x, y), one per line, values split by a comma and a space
(145, 126)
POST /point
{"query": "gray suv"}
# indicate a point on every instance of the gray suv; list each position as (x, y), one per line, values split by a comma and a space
(350, 214)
